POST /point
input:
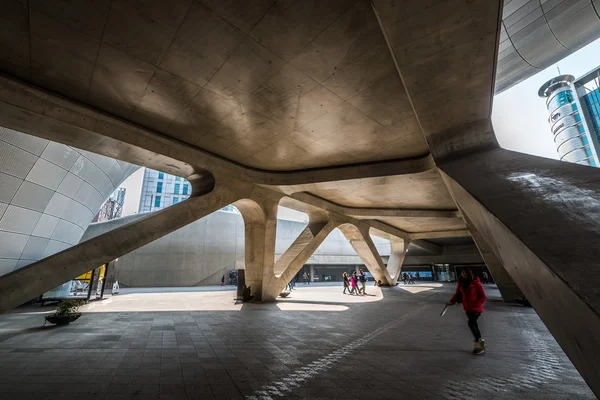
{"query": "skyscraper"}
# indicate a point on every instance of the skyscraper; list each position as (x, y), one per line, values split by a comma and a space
(574, 108)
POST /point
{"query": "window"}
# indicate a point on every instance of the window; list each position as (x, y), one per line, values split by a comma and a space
(177, 179)
(157, 201)
(175, 200)
(176, 190)
(161, 175)
(185, 189)
(159, 187)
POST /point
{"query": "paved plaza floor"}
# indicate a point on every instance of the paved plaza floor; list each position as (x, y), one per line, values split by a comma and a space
(318, 344)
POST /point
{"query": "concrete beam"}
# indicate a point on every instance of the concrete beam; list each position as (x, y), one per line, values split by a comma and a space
(439, 234)
(372, 213)
(428, 246)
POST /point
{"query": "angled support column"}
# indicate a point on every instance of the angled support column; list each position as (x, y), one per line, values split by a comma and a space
(361, 241)
(267, 278)
(26, 283)
(539, 218)
(397, 255)
(506, 285)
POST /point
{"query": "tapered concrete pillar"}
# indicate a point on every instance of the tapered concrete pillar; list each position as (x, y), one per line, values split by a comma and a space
(539, 218)
(37, 278)
(397, 255)
(361, 242)
(506, 285)
(267, 278)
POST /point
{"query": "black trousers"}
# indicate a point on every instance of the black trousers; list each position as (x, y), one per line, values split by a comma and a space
(473, 324)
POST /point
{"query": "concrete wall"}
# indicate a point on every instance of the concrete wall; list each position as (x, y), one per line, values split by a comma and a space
(49, 193)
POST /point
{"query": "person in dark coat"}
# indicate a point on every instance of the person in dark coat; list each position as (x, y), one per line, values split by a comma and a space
(470, 292)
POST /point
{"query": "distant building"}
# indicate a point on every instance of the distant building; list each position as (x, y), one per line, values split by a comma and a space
(112, 207)
(160, 190)
(574, 108)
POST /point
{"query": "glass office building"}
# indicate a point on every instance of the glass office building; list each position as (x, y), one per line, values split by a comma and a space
(160, 190)
(588, 92)
(572, 106)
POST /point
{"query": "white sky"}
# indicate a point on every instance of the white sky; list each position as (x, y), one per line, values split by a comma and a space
(519, 118)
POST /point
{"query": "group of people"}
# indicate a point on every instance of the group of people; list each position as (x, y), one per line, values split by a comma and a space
(351, 284)
(408, 278)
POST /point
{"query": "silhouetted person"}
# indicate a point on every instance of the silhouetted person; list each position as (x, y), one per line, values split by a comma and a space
(346, 283)
(470, 292)
(223, 280)
(362, 277)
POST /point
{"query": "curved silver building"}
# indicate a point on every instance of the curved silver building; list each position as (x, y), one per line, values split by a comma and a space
(49, 194)
(536, 34)
(571, 137)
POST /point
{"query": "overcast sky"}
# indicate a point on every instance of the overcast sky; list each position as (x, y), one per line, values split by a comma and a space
(519, 118)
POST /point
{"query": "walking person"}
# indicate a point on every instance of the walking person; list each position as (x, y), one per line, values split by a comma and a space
(354, 283)
(346, 283)
(362, 277)
(470, 292)
(223, 280)
(485, 277)
(405, 278)
(305, 278)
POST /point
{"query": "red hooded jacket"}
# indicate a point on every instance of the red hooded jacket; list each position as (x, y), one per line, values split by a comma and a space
(473, 296)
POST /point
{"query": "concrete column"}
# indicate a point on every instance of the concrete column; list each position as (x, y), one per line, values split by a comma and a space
(312, 273)
(397, 255)
(37, 278)
(517, 209)
(266, 277)
(365, 248)
(506, 285)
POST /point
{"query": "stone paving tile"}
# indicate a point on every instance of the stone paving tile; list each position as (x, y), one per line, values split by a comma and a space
(318, 344)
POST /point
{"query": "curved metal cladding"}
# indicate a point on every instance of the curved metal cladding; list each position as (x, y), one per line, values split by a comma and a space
(570, 137)
(49, 194)
(537, 33)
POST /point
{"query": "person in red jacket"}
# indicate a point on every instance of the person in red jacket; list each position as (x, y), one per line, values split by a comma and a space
(470, 292)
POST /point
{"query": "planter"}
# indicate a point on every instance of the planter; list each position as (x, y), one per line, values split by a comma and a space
(62, 319)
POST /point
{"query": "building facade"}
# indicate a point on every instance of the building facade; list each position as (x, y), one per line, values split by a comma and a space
(160, 190)
(49, 194)
(572, 109)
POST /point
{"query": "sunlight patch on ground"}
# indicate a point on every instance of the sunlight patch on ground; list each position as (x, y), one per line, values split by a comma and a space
(419, 288)
(289, 306)
(180, 301)
(332, 294)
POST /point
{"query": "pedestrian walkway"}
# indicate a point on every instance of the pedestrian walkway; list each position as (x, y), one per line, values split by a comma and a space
(318, 344)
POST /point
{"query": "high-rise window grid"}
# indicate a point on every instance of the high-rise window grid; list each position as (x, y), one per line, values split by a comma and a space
(159, 187)
(176, 189)
(157, 201)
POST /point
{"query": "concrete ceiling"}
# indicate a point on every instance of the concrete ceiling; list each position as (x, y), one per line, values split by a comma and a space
(274, 86)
